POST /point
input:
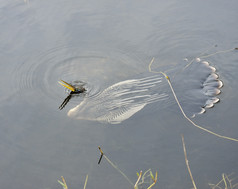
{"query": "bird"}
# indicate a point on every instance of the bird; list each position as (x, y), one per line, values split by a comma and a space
(119, 101)
(73, 91)
(197, 88)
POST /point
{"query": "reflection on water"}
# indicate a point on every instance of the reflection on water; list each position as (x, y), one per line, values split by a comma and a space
(103, 43)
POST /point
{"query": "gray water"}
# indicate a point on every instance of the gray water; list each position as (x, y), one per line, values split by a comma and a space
(102, 43)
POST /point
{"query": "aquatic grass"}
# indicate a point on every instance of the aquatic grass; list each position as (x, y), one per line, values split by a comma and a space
(178, 103)
(64, 185)
(149, 179)
(141, 178)
(226, 182)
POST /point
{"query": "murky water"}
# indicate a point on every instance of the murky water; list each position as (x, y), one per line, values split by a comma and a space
(102, 43)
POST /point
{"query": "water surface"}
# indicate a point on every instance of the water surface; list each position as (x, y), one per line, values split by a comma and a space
(103, 43)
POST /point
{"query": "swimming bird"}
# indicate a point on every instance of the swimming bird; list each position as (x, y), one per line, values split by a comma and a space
(196, 88)
(119, 101)
(73, 91)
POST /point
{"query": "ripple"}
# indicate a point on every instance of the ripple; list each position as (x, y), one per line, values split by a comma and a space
(39, 75)
(196, 86)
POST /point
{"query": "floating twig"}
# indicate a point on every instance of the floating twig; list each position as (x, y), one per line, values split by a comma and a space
(181, 109)
(218, 52)
(187, 164)
(113, 165)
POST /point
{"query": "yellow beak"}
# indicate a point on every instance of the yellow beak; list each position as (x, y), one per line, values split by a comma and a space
(67, 85)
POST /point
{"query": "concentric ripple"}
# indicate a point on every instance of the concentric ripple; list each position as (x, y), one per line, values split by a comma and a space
(114, 88)
(39, 74)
